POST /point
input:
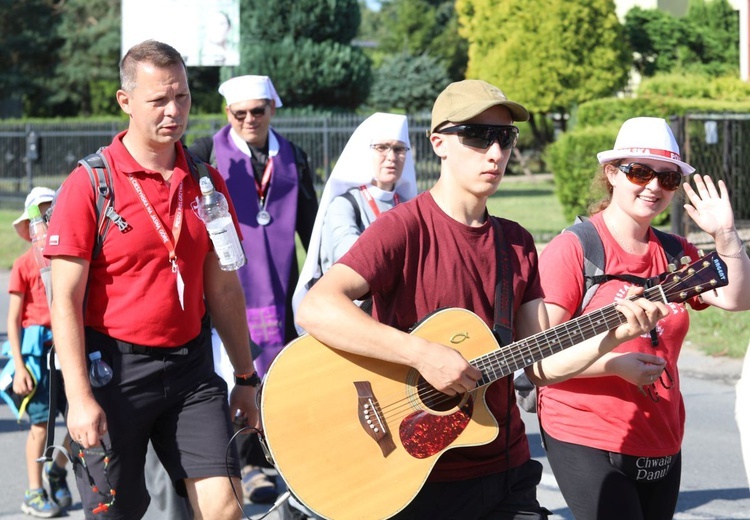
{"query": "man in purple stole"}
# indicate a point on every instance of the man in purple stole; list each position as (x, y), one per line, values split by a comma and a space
(272, 189)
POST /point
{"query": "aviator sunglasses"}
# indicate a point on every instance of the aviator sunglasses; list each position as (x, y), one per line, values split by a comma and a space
(240, 115)
(482, 136)
(641, 175)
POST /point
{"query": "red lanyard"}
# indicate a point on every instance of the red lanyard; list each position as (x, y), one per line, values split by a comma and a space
(262, 188)
(371, 201)
(156, 221)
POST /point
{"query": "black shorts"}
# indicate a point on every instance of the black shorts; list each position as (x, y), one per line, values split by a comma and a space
(177, 401)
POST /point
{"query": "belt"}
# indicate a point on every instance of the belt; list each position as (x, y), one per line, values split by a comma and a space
(130, 348)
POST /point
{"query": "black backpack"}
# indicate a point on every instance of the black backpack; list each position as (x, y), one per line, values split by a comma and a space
(100, 175)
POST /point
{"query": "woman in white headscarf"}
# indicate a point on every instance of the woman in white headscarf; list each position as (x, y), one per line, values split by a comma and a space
(374, 173)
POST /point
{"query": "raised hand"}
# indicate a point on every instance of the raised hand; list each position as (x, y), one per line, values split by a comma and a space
(709, 208)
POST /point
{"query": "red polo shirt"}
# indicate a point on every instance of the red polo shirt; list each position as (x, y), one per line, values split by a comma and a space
(132, 291)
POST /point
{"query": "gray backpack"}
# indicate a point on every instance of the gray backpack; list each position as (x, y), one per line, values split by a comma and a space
(593, 276)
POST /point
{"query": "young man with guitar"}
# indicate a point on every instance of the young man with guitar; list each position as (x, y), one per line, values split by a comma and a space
(442, 249)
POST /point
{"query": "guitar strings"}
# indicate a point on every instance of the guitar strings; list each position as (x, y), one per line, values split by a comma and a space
(517, 356)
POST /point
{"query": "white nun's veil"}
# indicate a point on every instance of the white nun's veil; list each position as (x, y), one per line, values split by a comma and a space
(352, 169)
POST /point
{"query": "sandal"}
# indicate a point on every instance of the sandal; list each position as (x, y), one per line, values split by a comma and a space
(257, 486)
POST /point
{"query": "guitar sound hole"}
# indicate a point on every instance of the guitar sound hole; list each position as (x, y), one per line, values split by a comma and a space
(436, 400)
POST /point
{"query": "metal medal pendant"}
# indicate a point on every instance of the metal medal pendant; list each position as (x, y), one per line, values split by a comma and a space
(264, 217)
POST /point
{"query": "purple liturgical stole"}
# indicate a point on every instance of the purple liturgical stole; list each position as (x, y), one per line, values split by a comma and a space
(270, 249)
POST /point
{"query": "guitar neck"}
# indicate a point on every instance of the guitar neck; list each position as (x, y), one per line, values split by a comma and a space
(506, 360)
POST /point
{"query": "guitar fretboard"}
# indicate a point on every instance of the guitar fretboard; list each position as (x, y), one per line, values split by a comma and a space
(506, 360)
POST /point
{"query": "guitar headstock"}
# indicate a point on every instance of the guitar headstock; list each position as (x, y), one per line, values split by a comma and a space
(705, 274)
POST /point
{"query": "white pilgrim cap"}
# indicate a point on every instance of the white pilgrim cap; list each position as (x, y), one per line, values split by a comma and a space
(244, 88)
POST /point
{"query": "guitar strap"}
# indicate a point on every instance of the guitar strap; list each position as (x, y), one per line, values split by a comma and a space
(503, 324)
(502, 327)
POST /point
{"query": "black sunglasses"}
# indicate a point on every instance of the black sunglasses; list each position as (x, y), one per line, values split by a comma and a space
(242, 114)
(641, 174)
(482, 136)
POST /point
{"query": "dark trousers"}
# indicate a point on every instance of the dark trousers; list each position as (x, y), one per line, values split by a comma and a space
(510, 495)
(594, 488)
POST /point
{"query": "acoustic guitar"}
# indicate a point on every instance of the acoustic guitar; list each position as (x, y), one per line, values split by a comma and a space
(355, 437)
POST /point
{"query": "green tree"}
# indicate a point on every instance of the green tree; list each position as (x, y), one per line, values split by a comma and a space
(87, 75)
(705, 41)
(28, 41)
(713, 37)
(550, 55)
(425, 26)
(409, 83)
(304, 46)
(655, 37)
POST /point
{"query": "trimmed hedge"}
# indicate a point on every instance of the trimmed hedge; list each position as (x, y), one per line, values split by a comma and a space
(573, 161)
(572, 158)
(614, 110)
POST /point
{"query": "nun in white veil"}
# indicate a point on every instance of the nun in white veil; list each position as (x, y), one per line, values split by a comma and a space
(374, 173)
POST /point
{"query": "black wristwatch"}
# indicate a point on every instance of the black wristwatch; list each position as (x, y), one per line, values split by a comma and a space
(247, 379)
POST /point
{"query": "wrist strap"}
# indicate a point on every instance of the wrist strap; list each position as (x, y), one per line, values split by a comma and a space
(247, 379)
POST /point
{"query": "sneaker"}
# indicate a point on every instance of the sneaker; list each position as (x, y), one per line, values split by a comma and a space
(36, 503)
(257, 486)
(55, 477)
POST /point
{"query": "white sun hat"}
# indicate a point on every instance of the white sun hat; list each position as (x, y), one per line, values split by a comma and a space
(646, 138)
(35, 197)
(244, 88)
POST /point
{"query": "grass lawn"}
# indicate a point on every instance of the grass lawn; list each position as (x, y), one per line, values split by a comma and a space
(11, 245)
(533, 205)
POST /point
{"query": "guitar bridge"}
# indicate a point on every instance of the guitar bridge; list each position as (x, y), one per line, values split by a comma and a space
(371, 417)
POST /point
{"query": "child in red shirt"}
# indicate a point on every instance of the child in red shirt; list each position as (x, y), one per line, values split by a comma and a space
(30, 338)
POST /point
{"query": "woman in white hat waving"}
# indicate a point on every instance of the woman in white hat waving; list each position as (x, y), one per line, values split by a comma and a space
(614, 432)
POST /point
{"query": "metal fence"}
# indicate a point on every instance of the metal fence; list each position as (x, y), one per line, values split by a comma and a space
(43, 154)
(717, 145)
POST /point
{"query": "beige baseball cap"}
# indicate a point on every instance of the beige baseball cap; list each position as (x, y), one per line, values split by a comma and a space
(462, 100)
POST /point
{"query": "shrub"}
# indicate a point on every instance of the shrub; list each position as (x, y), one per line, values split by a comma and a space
(614, 110)
(573, 162)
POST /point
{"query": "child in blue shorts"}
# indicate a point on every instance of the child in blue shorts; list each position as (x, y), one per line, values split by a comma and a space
(30, 339)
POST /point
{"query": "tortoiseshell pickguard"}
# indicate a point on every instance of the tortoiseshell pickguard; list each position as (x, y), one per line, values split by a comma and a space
(424, 434)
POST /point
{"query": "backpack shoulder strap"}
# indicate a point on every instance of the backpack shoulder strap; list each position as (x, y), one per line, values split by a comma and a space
(196, 164)
(100, 175)
(593, 259)
(357, 212)
(672, 246)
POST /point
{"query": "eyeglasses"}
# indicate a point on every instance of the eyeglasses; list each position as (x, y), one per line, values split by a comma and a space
(482, 136)
(384, 149)
(242, 114)
(641, 174)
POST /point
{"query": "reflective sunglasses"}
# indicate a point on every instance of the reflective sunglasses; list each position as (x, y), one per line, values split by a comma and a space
(384, 149)
(242, 114)
(482, 136)
(641, 174)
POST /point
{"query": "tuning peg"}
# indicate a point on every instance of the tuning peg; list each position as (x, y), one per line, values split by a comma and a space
(671, 268)
(685, 260)
(701, 253)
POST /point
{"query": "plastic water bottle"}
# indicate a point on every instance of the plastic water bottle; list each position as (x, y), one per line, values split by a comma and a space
(38, 234)
(100, 373)
(214, 212)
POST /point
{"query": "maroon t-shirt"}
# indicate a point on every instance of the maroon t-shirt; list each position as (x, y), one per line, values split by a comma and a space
(416, 259)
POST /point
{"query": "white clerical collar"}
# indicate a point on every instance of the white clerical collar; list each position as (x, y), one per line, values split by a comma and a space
(382, 195)
(239, 142)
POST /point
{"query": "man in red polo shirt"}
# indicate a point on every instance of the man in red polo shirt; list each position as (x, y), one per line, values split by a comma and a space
(148, 295)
